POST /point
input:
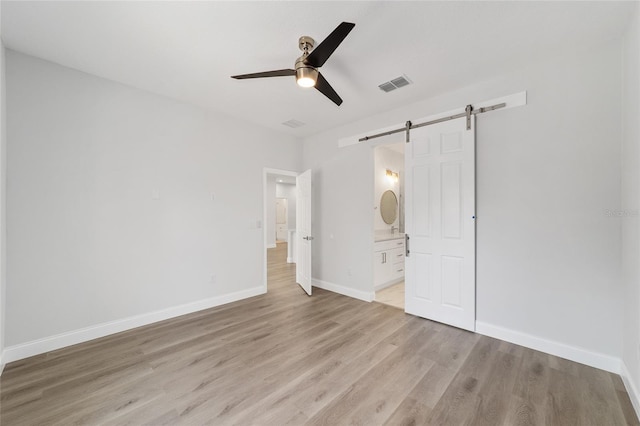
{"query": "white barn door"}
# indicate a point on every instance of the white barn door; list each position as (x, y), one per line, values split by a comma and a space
(440, 223)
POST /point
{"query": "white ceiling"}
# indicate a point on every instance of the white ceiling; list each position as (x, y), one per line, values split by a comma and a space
(188, 50)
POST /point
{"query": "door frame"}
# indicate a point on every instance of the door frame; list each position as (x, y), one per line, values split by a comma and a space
(512, 101)
(384, 142)
(266, 172)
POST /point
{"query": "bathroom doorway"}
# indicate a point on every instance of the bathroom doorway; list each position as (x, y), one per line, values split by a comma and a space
(389, 237)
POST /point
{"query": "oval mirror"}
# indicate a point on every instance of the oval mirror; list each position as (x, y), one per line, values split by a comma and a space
(389, 207)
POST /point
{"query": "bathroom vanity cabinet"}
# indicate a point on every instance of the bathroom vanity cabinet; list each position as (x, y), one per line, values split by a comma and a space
(388, 261)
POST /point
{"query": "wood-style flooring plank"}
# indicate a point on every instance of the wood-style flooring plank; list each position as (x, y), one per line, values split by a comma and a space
(284, 358)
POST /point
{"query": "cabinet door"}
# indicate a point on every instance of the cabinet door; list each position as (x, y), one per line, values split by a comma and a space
(380, 268)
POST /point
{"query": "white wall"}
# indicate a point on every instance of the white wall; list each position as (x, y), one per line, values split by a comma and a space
(548, 258)
(3, 204)
(288, 191)
(341, 213)
(121, 202)
(630, 209)
(383, 159)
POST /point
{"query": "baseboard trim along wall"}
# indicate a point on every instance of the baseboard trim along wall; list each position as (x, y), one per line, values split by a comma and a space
(36, 347)
(345, 291)
(1, 363)
(573, 353)
(632, 390)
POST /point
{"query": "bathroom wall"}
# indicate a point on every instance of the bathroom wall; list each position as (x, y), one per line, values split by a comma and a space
(385, 158)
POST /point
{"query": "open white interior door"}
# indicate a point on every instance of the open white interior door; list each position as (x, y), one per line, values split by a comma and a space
(440, 222)
(303, 230)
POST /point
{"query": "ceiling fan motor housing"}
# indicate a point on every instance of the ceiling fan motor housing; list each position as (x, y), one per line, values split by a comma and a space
(305, 72)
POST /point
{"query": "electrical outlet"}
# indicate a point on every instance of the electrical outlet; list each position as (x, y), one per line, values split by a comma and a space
(213, 279)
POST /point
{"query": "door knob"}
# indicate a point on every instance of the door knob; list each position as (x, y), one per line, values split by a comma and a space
(308, 238)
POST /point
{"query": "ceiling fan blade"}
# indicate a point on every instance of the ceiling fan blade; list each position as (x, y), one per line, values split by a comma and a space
(325, 88)
(321, 53)
(276, 73)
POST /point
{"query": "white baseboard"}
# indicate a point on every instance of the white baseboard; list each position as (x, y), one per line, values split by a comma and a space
(632, 388)
(1, 362)
(573, 353)
(290, 260)
(271, 246)
(35, 347)
(345, 291)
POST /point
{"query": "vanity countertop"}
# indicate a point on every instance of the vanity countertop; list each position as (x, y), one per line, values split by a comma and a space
(387, 235)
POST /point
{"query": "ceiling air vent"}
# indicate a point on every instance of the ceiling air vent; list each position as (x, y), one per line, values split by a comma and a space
(293, 123)
(394, 84)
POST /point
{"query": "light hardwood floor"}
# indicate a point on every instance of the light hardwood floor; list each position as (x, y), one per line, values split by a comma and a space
(286, 358)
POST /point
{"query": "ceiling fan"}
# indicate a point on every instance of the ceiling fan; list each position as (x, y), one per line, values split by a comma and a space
(306, 66)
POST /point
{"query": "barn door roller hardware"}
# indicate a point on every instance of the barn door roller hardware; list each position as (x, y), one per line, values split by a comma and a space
(468, 112)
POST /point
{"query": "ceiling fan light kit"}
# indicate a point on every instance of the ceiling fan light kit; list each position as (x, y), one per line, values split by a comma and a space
(306, 66)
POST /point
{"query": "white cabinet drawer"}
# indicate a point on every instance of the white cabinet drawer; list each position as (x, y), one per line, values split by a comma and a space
(396, 255)
(389, 245)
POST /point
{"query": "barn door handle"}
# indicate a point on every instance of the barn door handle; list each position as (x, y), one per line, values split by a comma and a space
(406, 245)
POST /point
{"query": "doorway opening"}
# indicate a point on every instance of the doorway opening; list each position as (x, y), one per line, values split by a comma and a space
(279, 218)
(388, 220)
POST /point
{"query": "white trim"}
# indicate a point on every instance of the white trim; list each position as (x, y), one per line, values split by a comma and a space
(271, 246)
(1, 362)
(345, 291)
(513, 100)
(573, 353)
(632, 390)
(35, 347)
